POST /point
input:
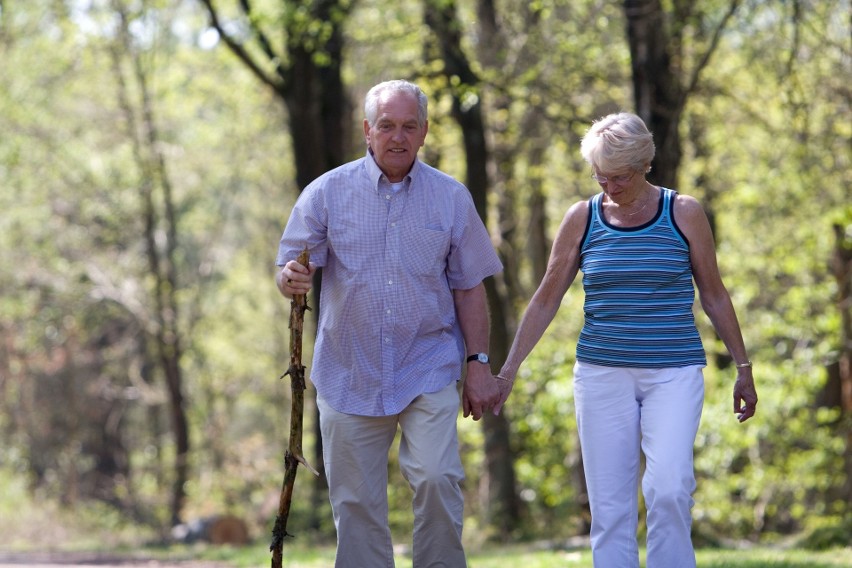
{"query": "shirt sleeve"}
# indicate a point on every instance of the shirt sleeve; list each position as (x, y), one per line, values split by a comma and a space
(472, 257)
(306, 227)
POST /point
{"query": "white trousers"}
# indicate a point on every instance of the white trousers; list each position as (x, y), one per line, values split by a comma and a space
(620, 412)
(355, 450)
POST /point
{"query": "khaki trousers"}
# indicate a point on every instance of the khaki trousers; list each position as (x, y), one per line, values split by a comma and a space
(355, 450)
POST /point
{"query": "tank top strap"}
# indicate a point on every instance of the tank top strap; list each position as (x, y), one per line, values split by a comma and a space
(667, 214)
(595, 203)
(594, 220)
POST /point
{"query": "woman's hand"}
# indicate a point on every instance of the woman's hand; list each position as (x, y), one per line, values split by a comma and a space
(745, 395)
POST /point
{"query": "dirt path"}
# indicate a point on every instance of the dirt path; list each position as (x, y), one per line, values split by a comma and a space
(95, 560)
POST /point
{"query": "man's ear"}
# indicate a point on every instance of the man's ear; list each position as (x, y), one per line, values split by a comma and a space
(367, 132)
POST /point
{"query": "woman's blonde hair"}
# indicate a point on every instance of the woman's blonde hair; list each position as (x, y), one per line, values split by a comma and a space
(617, 142)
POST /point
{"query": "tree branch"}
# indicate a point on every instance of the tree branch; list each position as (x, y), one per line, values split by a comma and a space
(714, 43)
(242, 53)
(263, 40)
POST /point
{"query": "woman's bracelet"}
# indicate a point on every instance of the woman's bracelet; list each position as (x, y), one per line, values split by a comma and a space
(745, 365)
(502, 378)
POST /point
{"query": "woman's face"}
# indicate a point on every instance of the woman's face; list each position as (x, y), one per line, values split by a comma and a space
(621, 182)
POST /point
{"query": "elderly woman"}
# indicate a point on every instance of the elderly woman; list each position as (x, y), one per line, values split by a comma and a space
(638, 380)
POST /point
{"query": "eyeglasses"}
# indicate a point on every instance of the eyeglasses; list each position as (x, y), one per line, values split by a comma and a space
(617, 180)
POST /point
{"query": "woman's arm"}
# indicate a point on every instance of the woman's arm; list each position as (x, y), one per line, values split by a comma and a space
(715, 300)
(562, 268)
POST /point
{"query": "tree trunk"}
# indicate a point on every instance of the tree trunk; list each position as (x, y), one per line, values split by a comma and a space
(842, 268)
(657, 93)
(161, 255)
(319, 113)
(508, 147)
(537, 241)
(162, 267)
(501, 502)
(660, 87)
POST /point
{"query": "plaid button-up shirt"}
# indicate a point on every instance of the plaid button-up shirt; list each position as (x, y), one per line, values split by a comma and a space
(388, 330)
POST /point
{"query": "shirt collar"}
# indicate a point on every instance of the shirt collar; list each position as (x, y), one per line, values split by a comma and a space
(375, 174)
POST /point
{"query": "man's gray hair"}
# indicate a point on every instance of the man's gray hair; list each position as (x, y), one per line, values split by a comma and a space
(374, 95)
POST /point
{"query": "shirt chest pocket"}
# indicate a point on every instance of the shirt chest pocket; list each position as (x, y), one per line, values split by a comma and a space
(425, 250)
(355, 245)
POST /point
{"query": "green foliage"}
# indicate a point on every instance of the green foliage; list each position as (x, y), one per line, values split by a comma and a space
(767, 152)
(545, 435)
(833, 533)
(77, 307)
(35, 521)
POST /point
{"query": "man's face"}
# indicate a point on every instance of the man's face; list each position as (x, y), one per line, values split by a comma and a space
(396, 136)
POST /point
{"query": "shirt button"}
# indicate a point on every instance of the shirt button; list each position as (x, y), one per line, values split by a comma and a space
(388, 312)
(390, 282)
(387, 197)
(387, 339)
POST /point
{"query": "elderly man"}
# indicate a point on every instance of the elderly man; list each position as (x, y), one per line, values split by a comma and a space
(403, 308)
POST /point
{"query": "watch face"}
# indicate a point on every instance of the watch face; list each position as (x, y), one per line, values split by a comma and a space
(482, 357)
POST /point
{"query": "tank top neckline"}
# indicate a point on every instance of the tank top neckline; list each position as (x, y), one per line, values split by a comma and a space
(598, 211)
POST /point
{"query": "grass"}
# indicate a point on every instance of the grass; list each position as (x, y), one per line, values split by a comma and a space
(304, 554)
(530, 556)
(32, 525)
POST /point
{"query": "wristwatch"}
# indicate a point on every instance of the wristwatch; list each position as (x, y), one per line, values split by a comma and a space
(481, 357)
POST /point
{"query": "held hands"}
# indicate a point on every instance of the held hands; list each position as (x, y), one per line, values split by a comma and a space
(505, 386)
(294, 278)
(483, 392)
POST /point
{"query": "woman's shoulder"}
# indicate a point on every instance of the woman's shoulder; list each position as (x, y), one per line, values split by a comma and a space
(576, 219)
(690, 219)
(579, 211)
(687, 207)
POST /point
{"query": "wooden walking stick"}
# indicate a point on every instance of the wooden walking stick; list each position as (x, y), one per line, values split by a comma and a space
(293, 456)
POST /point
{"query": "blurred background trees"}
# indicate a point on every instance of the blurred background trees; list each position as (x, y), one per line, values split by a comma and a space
(151, 151)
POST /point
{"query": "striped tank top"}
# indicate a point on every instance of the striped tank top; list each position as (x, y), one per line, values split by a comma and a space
(639, 293)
